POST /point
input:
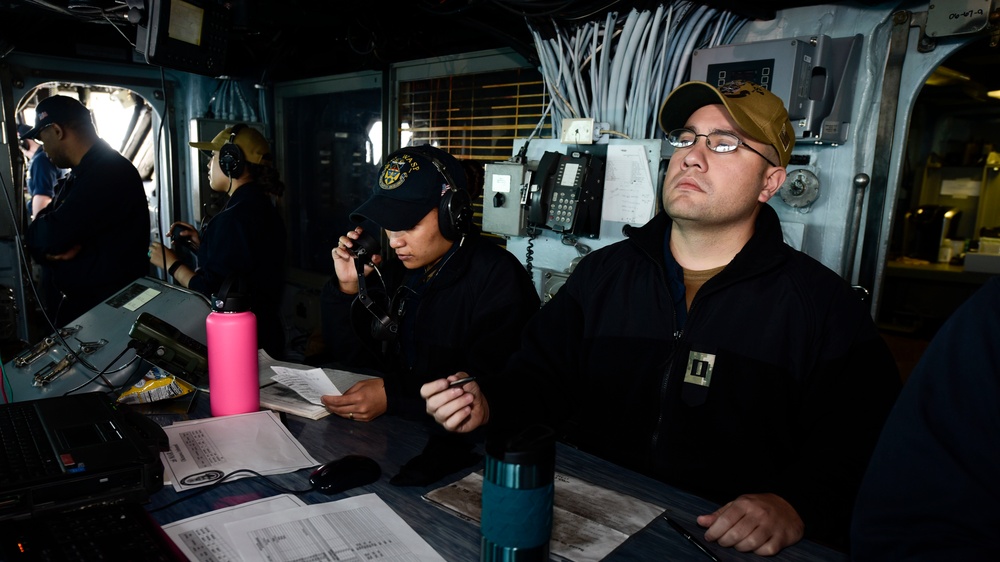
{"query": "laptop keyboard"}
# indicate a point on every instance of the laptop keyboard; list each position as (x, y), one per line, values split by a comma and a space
(112, 532)
(26, 455)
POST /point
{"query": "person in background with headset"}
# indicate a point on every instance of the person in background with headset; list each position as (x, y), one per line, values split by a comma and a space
(42, 173)
(448, 301)
(703, 350)
(246, 240)
(89, 241)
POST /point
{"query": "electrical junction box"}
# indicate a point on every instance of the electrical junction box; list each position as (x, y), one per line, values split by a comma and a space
(577, 131)
(503, 190)
(783, 66)
(815, 76)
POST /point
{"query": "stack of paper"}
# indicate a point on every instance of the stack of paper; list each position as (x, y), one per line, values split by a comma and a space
(283, 528)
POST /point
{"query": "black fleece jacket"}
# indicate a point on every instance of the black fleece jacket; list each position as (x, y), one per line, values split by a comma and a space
(800, 380)
(102, 208)
(468, 318)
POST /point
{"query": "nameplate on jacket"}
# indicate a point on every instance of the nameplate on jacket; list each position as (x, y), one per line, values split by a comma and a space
(699, 368)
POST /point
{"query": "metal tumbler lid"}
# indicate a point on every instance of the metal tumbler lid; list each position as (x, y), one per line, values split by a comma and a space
(532, 445)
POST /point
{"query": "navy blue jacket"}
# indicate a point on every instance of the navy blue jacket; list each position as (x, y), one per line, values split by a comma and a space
(247, 240)
(799, 379)
(932, 489)
(102, 207)
(468, 319)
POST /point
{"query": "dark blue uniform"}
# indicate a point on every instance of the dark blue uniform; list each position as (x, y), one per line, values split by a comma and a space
(247, 239)
(931, 490)
(778, 380)
(464, 319)
(42, 176)
(101, 207)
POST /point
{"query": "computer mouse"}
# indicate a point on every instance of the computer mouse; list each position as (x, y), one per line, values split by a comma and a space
(342, 474)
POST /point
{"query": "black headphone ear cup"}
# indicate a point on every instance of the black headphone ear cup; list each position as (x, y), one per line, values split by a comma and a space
(454, 214)
(230, 156)
(231, 160)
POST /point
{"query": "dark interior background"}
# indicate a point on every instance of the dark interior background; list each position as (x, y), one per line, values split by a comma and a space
(293, 39)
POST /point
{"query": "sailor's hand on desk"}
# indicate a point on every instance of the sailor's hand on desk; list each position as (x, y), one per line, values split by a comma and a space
(460, 408)
(364, 401)
(759, 523)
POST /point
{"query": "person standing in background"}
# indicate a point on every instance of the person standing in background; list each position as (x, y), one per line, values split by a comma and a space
(42, 174)
(91, 240)
(246, 240)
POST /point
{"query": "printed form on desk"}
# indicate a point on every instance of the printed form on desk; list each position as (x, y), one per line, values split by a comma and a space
(203, 538)
(588, 521)
(283, 528)
(205, 451)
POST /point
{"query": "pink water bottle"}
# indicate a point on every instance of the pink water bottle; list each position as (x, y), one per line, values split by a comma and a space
(231, 331)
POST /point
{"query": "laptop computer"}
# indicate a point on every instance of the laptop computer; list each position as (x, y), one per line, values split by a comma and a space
(65, 452)
(112, 531)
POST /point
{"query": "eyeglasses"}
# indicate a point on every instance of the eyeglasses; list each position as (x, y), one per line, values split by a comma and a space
(38, 135)
(717, 141)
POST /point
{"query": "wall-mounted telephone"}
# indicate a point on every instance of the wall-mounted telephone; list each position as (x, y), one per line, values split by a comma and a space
(566, 193)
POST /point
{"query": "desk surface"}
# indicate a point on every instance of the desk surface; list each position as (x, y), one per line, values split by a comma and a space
(392, 441)
(109, 322)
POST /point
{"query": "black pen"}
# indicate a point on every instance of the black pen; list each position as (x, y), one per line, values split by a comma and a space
(677, 527)
(461, 382)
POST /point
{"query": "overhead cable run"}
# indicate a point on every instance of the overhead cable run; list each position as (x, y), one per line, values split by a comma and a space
(229, 103)
(618, 72)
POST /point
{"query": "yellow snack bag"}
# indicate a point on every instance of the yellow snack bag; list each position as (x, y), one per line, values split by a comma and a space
(155, 385)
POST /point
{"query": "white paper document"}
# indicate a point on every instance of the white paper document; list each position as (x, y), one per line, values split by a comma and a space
(310, 384)
(588, 521)
(279, 397)
(203, 538)
(295, 388)
(204, 451)
(358, 528)
(342, 380)
(629, 195)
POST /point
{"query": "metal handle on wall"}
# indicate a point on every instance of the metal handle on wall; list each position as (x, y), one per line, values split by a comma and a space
(860, 183)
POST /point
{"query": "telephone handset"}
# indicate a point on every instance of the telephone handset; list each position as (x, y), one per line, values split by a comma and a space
(538, 193)
(566, 193)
